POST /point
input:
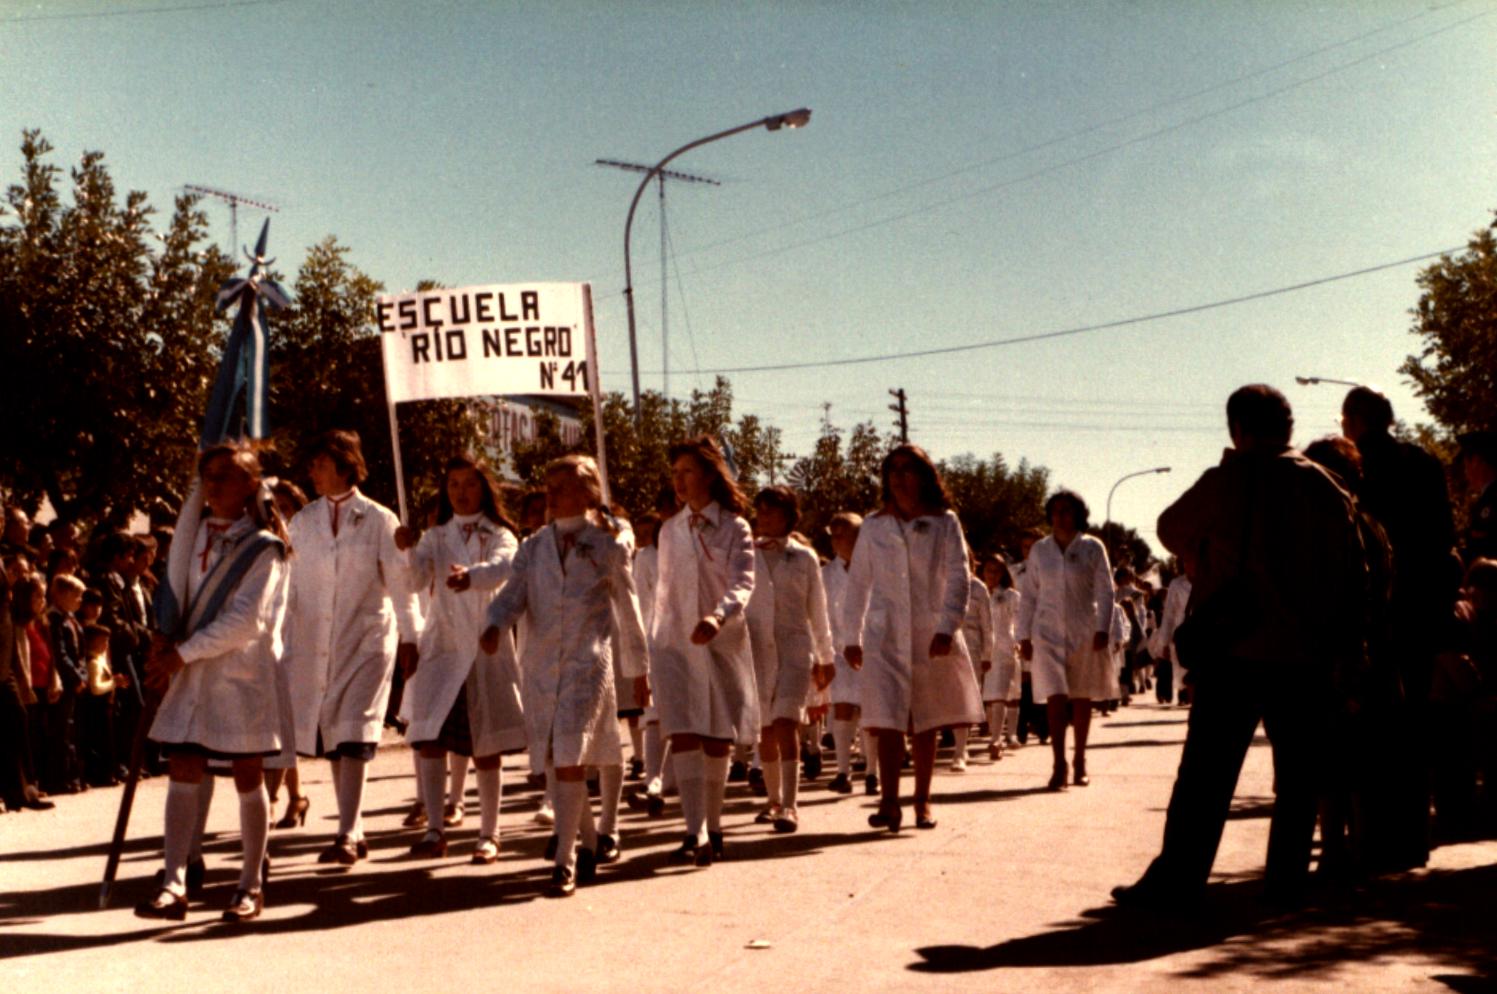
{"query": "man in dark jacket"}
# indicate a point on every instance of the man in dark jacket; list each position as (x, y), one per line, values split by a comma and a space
(1276, 559)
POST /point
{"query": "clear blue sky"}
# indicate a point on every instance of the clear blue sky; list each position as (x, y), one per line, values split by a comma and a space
(972, 172)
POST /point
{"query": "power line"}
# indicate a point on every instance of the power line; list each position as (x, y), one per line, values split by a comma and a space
(1088, 328)
(178, 9)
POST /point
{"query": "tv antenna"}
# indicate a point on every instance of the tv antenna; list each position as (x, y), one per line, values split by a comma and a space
(661, 176)
(233, 200)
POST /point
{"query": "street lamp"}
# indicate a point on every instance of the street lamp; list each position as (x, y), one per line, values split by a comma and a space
(1142, 472)
(1315, 381)
(793, 119)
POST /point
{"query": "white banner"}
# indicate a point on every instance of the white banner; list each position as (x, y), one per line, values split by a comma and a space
(493, 340)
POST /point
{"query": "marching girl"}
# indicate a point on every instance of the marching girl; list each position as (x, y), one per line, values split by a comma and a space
(802, 647)
(572, 588)
(288, 499)
(1064, 627)
(907, 591)
(351, 614)
(462, 699)
(218, 670)
(1001, 680)
(846, 688)
(977, 630)
(701, 663)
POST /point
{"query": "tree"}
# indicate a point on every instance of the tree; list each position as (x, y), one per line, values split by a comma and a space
(996, 503)
(841, 473)
(1455, 371)
(107, 348)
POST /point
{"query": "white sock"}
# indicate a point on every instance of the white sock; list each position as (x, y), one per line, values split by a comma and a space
(715, 787)
(960, 734)
(254, 835)
(668, 773)
(181, 815)
(349, 779)
(636, 740)
(610, 791)
(457, 766)
(997, 715)
(772, 781)
(842, 733)
(588, 827)
(691, 779)
(200, 826)
(1011, 721)
(431, 781)
(789, 782)
(655, 746)
(870, 752)
(490, 789)
(571, 798)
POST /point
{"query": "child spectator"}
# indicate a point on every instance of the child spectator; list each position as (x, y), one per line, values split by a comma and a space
(96, 709)
(66, 597)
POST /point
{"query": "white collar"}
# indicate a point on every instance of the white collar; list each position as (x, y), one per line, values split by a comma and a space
(712, 512)
(570, 525)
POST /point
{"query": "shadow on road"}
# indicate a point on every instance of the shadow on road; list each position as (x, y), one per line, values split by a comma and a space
(1447, 917)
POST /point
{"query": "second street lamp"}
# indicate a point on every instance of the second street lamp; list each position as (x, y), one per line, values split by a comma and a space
(792, 119)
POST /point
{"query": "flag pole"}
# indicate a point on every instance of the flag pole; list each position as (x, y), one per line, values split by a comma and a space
(594, 387)
(405, 518)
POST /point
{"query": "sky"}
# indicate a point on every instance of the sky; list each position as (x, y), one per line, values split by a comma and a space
(971, 173)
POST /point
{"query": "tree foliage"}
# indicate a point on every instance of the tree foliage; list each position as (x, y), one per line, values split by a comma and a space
(995, 502)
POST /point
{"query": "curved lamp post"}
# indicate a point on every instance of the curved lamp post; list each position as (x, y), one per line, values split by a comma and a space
(1313, 381)
(793, 119)
(1142, 472)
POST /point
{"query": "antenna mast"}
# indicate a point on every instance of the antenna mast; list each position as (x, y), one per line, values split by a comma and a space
(233, 200)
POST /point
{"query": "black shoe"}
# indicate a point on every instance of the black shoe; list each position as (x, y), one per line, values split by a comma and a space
(247, 905)
(870, 785)
(608, 849)
(810, 763)
(924, 822)
(756, 783)
(587, 865)
(1058, 777)
(197, 871)
(840, 784)
(704, 853)
(888, 818)
(687, 853)
(163, 905)
(1146, 895)
(563, 883)
(551, 845)
(36, 802)
(738, 772)
(860, 765)
(636, 769)
(344, 851)
(655, 806)
(715, 842)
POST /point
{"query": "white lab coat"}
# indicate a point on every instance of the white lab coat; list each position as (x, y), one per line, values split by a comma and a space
(802, 632)
(225, 699)
(977, 627)
(759, 617)
(907, 583)
(1162, 642)
(1067, 597)
(847, 685)
(707, 690)
(572, 611)
(646, 573)
(351, 603)
(1004, 682)
(450, 657)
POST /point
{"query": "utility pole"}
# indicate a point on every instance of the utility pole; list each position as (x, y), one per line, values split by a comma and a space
(903, 410)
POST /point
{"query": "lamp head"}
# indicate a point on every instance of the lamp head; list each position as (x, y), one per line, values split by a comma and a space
(794, 119)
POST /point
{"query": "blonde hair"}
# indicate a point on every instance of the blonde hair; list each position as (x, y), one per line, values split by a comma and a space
(584, 468)
(65, 582)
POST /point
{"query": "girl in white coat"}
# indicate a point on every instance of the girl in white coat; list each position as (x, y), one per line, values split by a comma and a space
(1065, 622)
(351, 616)
(847, 686)
(573, 588)
(462, 699)
(1001, 681)
(977, 629)
(906, 599)
(802, 648)
(218, 669)
(701, 663)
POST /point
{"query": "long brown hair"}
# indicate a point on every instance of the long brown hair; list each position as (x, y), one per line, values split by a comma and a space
(933, 496)
(723, 488)
(261, 506)
(488, 502)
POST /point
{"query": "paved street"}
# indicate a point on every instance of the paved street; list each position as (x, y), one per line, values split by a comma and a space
(1008, 893)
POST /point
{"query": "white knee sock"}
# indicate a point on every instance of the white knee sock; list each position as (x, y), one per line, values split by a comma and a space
(610, 790)
(181, 815)
(870, 751)
(431, 782)
(715, 770)
(997, 715)
(254, 835)
(349, 778)
(587, 826)
(571, 798)
(490, 789)
(668, 772)
(636, 741)
(960, 734)
(789, 782)
(691, 778)
(772, 780)
(200, 826)
(457, 767)
(842, 733)
(655, 744)
(1011, 721)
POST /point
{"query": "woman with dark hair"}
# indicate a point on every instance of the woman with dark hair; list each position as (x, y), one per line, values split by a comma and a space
(1064, 626)
(701, 662)
(1001, 682)
(460, 698)
(217, 670)
(906, 599)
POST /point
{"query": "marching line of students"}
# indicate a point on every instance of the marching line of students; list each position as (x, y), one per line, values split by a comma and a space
(715, 635)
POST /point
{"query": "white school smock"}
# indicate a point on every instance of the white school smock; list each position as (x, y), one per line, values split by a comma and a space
(572, 610)
(907, 583)
(705, 569)
(977, 627)
(802, 633)
(1019, 573)
(619, 649)
(1067, 599)
(224, 699)
(351, 603)
(1004, 682)
(450, 656)
(759, 617)
(646, 572)
(847, 685)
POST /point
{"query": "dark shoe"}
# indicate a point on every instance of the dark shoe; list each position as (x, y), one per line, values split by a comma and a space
(924, 822)
(296, 813)
(686, 854)
(810, 763)
(587, 866)
(246, 906)
(608, 849)
(887, 818)
(361, 849)
(163, 905)
(485, 852)
(787, 821)
(36, 801)
(1146, 895)
(756, 783)
(636, 799)
(767, 816)
(433, 845)
(1058, 777)
(840, 784)
(1081, 779)
(551, 844)
(715, 843)
(197, 870)
(636, 769)
(655, 806)
(563, 883)
(342, 851)
(452, 815)
(738, 772)
(704, 854)
(416, 817)
(870, 785)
